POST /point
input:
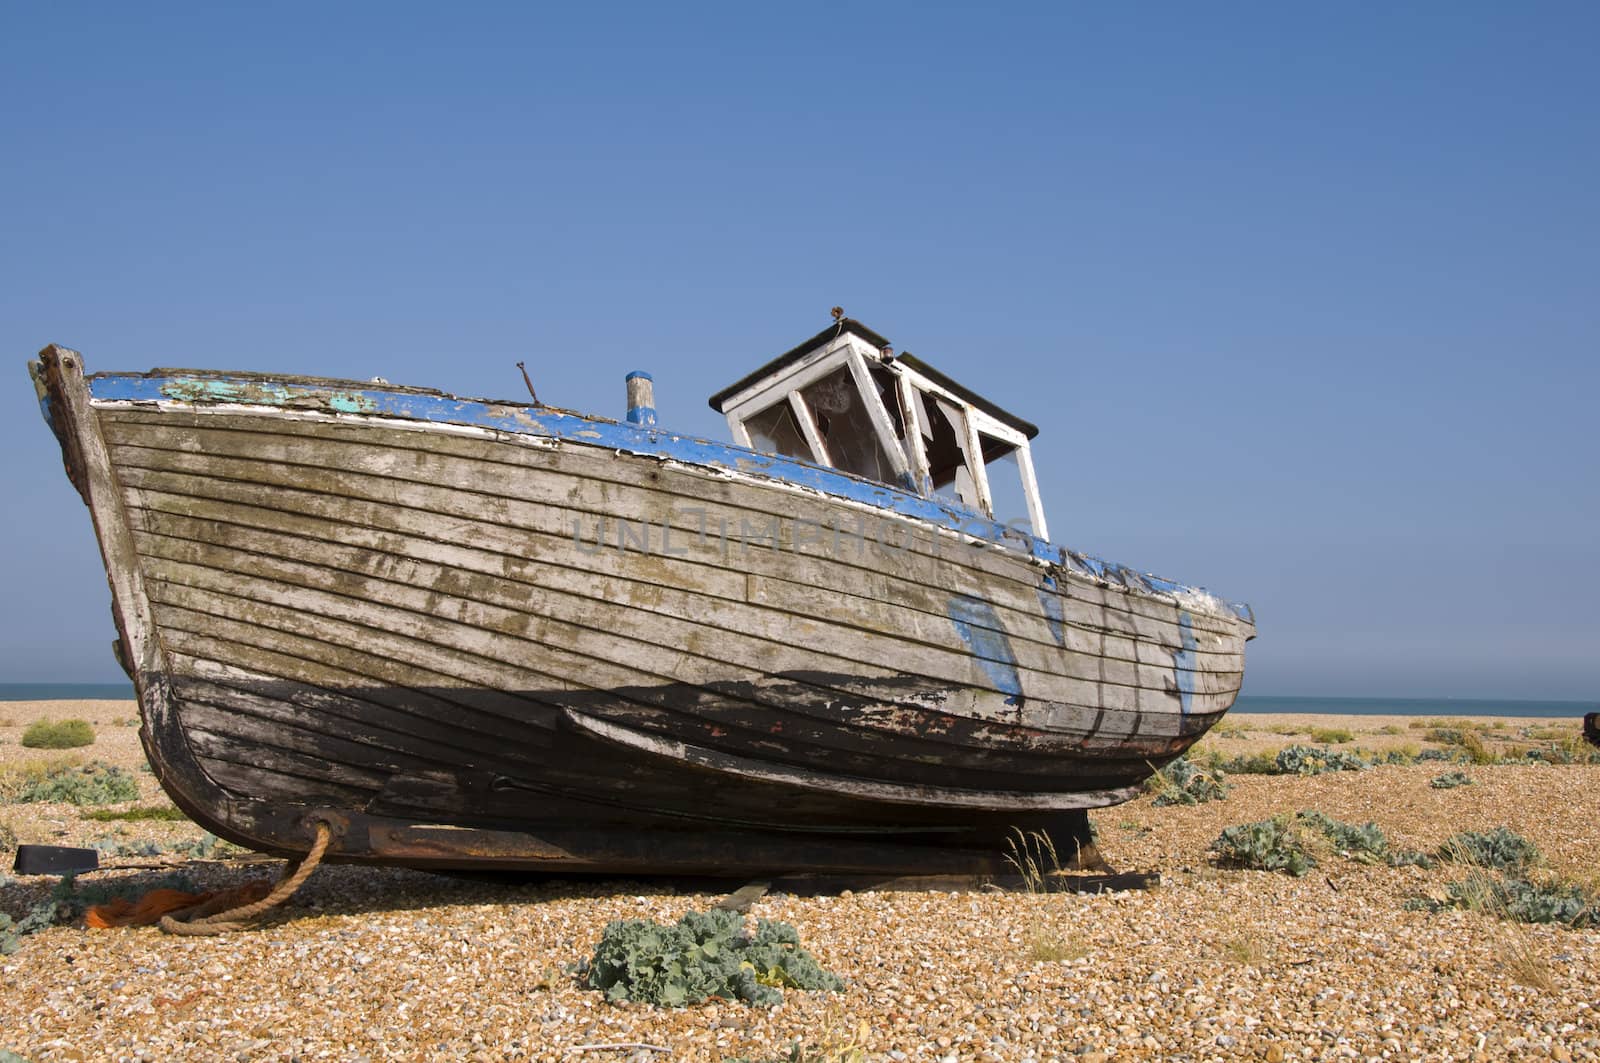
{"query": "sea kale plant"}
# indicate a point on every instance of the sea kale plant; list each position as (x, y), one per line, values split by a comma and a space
(703, 955)
(1286, 843)
(1501, 848)
(95, 783)
(1183, 782)
(1269, 845)
(1310, 760)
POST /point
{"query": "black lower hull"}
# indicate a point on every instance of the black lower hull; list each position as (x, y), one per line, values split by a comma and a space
(479, 779)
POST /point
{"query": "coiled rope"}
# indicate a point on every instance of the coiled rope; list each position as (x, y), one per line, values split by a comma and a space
(198, 922)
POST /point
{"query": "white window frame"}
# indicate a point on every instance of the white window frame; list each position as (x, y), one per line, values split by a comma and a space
(910, 463)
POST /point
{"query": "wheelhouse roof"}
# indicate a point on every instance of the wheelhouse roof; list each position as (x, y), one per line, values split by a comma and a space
(878, 342)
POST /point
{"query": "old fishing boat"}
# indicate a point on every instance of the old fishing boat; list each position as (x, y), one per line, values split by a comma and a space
(473, 634)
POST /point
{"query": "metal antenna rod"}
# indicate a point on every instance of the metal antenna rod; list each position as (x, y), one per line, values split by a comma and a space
(529, 382)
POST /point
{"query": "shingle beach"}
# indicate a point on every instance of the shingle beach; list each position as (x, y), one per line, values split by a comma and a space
(1214, 964)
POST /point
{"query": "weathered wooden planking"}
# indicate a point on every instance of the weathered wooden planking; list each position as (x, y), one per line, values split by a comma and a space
(318, 617)
(493, 550)
(535, 588)
(580, 477)
(1109, 617)
(392, 493)
(470, 625)
(847, 748)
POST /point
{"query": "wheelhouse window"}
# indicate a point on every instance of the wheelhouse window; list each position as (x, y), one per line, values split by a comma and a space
(843, 400)
(845, 426)
(776, 431)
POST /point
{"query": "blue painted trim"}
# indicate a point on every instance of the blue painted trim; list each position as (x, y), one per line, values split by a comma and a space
(642, 415)
(638, 374)
(979, 626)
(1183, 662)
(648, 440)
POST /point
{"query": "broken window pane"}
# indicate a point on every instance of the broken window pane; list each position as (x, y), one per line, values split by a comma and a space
(774, 431)
(845, 426)
(944, 431)
(1005, 484)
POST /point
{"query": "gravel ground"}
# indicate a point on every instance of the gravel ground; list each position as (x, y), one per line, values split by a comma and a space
(1213, 964)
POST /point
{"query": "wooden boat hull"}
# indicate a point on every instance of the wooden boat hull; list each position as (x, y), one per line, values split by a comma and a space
(478, 634)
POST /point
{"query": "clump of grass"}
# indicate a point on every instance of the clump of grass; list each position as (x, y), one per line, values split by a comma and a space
(1330, 735)
(164, 813)
(1391, 729)
(1521, 900)
(1229, 729)
(1049, 946)
(1450, 780)
(1244, 949)
(1183, 782)
(8, 837)
(207, 847)
(58, 734)
(1513, 896)
(1033, 854)
(95, 783)
(1243, 764)
(1571, 750)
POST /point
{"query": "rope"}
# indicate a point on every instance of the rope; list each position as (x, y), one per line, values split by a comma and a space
(198, 922)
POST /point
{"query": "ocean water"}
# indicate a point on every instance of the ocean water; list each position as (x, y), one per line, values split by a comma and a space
(66, 691)
(1413, 706)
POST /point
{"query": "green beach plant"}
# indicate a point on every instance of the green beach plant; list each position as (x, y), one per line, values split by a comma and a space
(704, 955)
(1450, 780)
(1184, 782)
(1365, 843)
(95, 783)
(1309, 760)
(58, 734)
(1501, 848)
(1289, 843)
(1268, 845)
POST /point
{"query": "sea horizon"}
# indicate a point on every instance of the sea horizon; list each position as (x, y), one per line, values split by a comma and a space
(1380, 706)
(1247, 703)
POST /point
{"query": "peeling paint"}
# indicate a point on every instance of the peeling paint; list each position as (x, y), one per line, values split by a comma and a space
(1184, 661)
(979, 626)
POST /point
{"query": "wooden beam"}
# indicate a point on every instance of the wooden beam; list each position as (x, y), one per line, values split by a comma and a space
(808, 428)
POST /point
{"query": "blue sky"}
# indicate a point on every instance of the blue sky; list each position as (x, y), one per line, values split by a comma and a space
(1304, 297)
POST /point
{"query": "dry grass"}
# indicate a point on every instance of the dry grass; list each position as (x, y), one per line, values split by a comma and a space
(1047, 945)
(17, 775)
(1518, 951)
(1033, 854)
(1246, 949)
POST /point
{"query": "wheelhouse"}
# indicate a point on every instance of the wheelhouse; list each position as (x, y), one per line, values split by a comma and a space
(845, 400)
